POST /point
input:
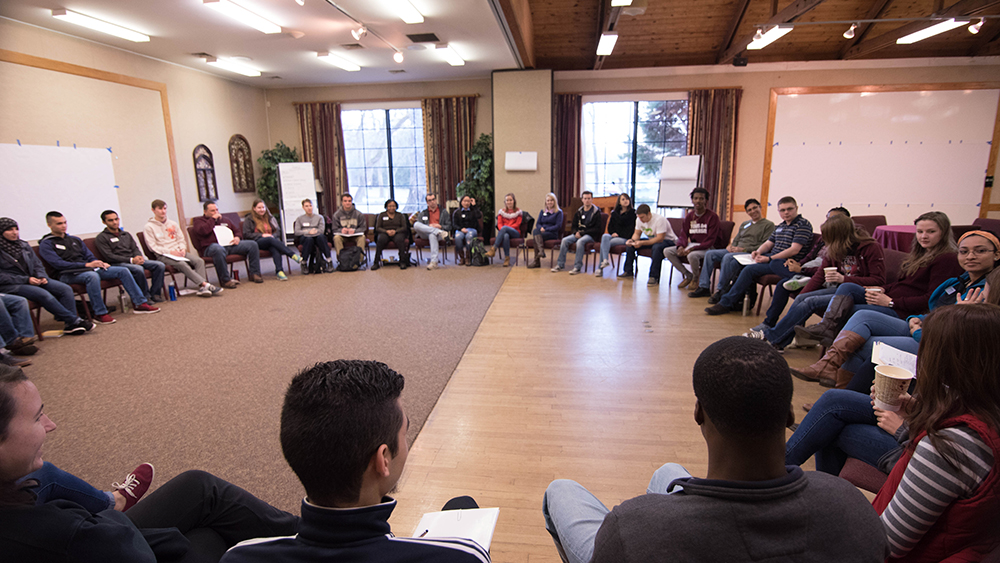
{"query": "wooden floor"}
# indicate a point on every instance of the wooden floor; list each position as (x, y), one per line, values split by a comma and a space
(568, 377)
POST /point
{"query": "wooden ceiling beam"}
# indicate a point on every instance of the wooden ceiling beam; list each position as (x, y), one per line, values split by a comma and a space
(876, 10)
(790, 13)
(990, 47)
(738, 15)
(961, 8)
(517, 14)
(609, 24)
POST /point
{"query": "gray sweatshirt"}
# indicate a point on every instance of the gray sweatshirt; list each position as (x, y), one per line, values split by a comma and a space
(307, 223)
(348, 220)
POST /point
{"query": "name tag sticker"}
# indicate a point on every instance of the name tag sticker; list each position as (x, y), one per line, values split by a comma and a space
(60, 247)
(305, 224)
(950, 290)
(114, 239)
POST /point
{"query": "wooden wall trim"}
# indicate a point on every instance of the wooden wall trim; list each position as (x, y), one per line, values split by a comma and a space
(87, 72)
(991, 165)
(386, 100)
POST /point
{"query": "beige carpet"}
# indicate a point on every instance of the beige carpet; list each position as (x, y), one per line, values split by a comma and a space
(200, 384)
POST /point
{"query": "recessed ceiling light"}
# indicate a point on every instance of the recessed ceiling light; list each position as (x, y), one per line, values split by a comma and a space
(931, 31)
(407, 12)
(450, 55)
(240, 58)
(243, 15)
(99, 25)
(607, 43)
(232, 66)
(338, 62)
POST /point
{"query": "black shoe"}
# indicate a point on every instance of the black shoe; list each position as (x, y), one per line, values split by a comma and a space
(701, 292)
(626, 275)
(404, 265)
(717, 309)
(376, 265)
(715, 298)
(156, 298)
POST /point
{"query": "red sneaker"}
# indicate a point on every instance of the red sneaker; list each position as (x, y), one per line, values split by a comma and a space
(104, 319)
(145, 309)
(135, 485)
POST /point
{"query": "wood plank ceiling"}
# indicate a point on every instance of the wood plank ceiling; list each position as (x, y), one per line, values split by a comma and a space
(705, 32)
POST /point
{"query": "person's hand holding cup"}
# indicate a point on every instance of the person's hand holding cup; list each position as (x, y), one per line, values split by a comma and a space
(889, 391)
(832, 275)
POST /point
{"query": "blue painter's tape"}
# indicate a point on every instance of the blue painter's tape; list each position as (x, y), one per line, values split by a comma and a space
(932, 205)
(890, 142)
(775, 144)
(840, 143)
(74, 145)
(19, 142)
(116, 186)
(869, 205)
(109, 149)
(57, 143)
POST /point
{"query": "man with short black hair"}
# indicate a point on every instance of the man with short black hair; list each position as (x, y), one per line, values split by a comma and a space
(120, 249)
(204, 227)
(653, 230)
(166, 240)
(586, 228)
(73, 262)
(348, 223)
(751, 234)
(750, 506)
(700, 233)
(343, 432)
(791, 240)
(433, 223)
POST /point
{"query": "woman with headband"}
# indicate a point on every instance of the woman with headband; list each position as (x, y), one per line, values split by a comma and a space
(978, 253)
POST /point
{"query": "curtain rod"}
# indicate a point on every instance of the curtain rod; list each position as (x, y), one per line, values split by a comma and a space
(371, 100)
(651, 91)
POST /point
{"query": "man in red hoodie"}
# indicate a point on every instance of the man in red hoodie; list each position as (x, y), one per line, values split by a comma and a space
(700, 234)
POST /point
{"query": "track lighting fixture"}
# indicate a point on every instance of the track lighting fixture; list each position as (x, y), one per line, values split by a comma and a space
(398, 56)
(758, 36)
(974, 28)
(849, 34)
(359, 33)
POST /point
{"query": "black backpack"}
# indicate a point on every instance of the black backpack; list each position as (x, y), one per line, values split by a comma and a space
(350, 259)
(477, 253)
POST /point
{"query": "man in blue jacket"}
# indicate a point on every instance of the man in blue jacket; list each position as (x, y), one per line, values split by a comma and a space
(73, 263)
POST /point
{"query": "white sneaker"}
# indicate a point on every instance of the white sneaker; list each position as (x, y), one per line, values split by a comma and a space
(204, 291)
(796, 283)
(605, 263)
(755, 334)
(214, 290)
(558, 269)
(599, 273)
(431, 265)
(574, 271)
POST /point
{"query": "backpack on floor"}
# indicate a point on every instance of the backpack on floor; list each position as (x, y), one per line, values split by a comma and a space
(349, 259)
(477, 253)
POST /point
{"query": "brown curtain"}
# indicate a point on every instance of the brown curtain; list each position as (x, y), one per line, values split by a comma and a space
(568, 113)
(712, 119)
(323, 145)
(449, 132)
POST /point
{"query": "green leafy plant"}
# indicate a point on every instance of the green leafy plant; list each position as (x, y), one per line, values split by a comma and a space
(478, 182)
(267, 184)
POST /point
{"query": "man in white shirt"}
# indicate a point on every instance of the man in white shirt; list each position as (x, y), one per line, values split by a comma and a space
(658, 235)
(166, 239)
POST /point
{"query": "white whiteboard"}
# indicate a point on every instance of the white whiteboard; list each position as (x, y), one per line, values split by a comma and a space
(897, 154)
(295, 183)
(678, 176)
(78, 182)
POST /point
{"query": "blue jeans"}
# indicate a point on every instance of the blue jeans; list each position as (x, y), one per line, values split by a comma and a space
(218, 254)
(15, 320)
(580, 243)
(841, 424)
(655, 251)
(318, 242)
(803, 307)
(503, 239)
(55, 297)
(749, 276)
(607, 241)
(878, 327)
(860, 304)
(463, 239)
(157, 269)
(713, 258)
(277, 248)
(92, 281)
(54, 483)
(573, 514)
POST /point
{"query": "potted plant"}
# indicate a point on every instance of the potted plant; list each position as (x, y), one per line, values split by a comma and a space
(478, 182)
(267, 184)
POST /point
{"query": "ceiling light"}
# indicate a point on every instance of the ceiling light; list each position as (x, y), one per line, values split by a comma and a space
(849, 34)
(407, 12)
(243, 15)
(398, 56)
(450, 55)
(300, 2)
(98, 25)
(974, 28)
(607, 43)
(232, 66)
(761, 40)
(359, 33)
(931, 31)
(338, 62)
(621, 3)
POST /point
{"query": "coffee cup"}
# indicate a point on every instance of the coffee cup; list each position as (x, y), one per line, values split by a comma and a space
(890, 383)
(875, 290)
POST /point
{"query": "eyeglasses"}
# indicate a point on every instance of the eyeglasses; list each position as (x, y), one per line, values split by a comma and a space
(980, 251)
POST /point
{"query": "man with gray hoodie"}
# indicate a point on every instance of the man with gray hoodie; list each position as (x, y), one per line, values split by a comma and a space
(347, 222)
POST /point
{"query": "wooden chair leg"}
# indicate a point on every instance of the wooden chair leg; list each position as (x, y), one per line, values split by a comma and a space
(36, 319)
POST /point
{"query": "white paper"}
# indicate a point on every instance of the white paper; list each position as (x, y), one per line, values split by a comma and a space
(744, 259)
(691, 245)
(350, 235)
(475, 524)
(224, 235)
(180, 258)
(883, 354)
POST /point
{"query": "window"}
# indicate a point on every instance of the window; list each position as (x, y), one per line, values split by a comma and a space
(385, 156)
(624, 142)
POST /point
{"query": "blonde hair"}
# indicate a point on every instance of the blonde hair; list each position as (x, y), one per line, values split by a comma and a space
(554, 198)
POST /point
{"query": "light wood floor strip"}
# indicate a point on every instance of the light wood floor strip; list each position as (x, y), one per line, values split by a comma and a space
(564, 379)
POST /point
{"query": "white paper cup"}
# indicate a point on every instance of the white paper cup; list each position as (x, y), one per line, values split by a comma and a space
(875, 290)
(890, 383)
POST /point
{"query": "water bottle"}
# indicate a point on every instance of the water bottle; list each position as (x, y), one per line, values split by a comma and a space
(125, 302)
(172, 291)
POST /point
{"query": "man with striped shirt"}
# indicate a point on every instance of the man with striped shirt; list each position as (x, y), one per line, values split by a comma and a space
(343, 432)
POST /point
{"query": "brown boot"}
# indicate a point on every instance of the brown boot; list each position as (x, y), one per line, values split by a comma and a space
(491, 252)
(539, 248)
(843, 378)
(847, 343)
(460, 261)
(536, 263)
(825, 331)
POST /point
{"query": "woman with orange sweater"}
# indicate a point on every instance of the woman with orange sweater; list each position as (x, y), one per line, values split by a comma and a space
(508, 227)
